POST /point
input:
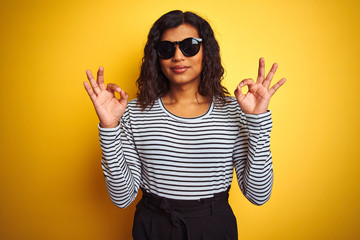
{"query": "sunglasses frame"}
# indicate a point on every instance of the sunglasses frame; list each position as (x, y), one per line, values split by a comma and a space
(198, 40)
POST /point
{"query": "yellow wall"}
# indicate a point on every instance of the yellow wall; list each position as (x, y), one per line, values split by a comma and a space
(51, 180)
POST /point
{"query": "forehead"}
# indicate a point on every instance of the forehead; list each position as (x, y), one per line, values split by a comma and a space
(180, 33)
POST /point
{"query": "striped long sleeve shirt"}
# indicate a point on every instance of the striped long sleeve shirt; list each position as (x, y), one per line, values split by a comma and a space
(187, 158)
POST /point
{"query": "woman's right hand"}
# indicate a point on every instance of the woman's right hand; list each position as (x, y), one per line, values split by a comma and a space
(108, 108)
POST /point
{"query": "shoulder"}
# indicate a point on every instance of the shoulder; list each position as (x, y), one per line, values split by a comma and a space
(230, 110)
(135, 105)
(134, 110)
(230, 104)
(131, 109)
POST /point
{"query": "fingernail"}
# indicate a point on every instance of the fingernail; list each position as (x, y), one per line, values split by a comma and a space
(242, 84)
(118, 89)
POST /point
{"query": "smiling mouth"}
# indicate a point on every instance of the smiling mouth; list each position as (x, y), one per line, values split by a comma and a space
(180, 69)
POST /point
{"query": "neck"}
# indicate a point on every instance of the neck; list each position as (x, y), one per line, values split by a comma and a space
(184, 95)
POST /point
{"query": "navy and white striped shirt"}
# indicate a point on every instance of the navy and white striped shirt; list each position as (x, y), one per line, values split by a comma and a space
(187, 158)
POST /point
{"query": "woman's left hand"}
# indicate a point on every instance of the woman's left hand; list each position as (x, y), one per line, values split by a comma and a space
(257, 99)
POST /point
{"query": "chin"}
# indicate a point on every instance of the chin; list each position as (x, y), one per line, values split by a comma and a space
(183, 80)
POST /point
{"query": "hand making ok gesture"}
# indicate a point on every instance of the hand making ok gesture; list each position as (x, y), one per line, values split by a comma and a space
(257, 99)
(108, 108)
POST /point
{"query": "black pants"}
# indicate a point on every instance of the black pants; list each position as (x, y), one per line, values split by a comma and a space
(158, 218)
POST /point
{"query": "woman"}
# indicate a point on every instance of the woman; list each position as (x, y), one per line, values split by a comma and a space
(181, 138)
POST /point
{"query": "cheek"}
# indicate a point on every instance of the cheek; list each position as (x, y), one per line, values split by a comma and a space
(163, 65)
(199, 60)
(200, 57)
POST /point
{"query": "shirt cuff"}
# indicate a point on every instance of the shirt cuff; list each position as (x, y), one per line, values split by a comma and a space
(259, 121)
(108, 133)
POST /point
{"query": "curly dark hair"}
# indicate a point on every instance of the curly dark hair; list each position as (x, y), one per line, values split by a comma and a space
(153, 84)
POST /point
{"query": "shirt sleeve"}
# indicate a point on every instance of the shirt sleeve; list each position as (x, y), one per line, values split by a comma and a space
(252, 157)
(120, 162)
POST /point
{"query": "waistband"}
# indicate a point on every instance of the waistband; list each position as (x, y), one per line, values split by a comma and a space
(188, 208)
(179, 210)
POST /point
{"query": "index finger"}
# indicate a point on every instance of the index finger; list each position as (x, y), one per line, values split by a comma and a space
(270, 75)
(92, 81)
(261, 71)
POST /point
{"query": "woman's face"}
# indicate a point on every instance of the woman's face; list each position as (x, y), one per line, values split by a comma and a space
(182, 70)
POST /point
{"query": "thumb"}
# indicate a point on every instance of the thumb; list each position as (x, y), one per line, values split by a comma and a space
(238, 92)
(124, 97)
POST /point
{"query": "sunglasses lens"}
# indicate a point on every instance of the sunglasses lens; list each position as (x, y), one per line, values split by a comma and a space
(166, 49)
(190, 47)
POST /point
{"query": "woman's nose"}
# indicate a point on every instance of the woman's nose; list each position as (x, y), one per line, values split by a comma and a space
(178, 56)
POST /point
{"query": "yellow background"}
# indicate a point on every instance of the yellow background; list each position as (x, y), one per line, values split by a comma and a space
(52, 185)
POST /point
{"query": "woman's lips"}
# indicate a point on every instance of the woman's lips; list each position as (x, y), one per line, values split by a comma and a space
(179, 69)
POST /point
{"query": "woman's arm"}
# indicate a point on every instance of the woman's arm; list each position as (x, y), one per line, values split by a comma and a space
(252, 157)
(120, 163)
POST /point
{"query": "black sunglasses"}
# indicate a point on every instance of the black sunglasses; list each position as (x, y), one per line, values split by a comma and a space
(189, 47)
